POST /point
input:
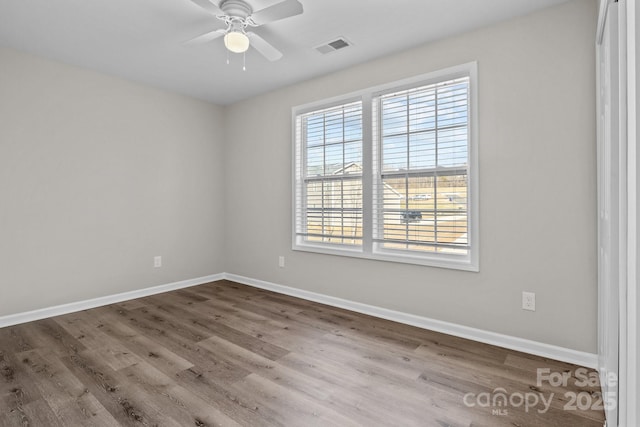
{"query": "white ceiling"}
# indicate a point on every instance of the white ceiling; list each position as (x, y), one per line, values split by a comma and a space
(143, 40)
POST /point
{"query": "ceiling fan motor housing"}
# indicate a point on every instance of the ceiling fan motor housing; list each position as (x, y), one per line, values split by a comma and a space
(236, 8)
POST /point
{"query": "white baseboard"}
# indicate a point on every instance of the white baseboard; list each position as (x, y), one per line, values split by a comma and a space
(43, 313)
(514, 343)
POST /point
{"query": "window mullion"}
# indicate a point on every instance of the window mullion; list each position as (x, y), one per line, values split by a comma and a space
(324, 172)
(367, 174)
(435, 177)
(342, 181)
(408, 168)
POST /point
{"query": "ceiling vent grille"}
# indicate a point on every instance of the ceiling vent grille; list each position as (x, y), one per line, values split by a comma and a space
(332, 46)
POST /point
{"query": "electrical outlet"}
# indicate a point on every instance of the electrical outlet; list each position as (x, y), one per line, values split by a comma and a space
(281, 261)
(157, 261)
(529, 301)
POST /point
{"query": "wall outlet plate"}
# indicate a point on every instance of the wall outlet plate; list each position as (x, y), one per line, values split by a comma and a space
(529, 301)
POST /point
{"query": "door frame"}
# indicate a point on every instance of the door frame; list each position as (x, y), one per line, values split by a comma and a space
(628, 319)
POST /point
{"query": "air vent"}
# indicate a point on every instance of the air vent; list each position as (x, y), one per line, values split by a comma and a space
(333, 45)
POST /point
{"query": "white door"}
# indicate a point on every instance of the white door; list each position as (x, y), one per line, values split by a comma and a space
(610, 185)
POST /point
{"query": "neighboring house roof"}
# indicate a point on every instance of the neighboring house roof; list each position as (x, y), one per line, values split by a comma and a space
(355, 168)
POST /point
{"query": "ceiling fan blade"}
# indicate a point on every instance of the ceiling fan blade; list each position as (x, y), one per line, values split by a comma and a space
(264, 47)
(206, 37)
(278, 11)
(209, 6)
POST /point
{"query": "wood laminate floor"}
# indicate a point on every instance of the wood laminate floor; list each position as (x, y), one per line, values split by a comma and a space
(228, 354)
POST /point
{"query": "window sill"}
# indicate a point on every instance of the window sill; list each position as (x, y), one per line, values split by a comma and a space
(452, 262)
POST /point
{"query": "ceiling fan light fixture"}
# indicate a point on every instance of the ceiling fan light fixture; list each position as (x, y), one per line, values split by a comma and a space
(236, 41)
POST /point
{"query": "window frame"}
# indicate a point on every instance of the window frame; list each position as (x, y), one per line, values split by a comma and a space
(369, 249)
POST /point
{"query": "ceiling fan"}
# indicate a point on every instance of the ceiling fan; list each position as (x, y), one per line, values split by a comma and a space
(237, 16)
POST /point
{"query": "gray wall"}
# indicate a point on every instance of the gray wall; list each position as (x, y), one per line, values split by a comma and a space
(537, 185)
(98, 175)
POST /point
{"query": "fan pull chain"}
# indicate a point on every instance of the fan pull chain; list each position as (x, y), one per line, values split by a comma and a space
(227, 56)
(244, 61)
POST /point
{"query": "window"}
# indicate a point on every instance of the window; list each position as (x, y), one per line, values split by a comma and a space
(331, 177)
(421, 187)
(389, 173)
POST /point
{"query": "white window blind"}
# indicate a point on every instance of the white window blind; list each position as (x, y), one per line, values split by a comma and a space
(421, 159)
(329, 164)
(390, 173)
